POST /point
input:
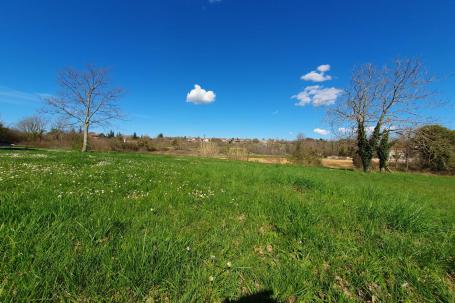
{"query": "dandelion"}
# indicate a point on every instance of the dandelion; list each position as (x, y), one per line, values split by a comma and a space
(188, 248)
(211, 278)
(229, 264)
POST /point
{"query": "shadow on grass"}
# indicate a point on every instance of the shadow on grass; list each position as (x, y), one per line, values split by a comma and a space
(259, 297)
(8, 147)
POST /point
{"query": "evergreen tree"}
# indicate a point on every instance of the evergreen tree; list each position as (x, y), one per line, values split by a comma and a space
(383, 151)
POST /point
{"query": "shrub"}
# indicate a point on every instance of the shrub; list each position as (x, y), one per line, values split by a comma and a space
(145, 145)
(306, 154)
(117, 145)
(8, 136)
(436, 147)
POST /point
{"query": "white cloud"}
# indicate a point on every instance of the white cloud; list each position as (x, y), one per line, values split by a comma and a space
(320, 131)
(350, 131)
(314, 76)
(369, 129)
(319, 75)
(199, 95)
(317, 95)
(324, 68)
(344, 130)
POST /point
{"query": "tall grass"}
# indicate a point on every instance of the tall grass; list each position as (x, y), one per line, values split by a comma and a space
(238, 153)
(208, 149)
(138, 228)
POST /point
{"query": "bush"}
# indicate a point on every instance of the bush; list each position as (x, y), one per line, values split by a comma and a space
(435, 145)
(145, 145)
(8, 136)
(307, 155)
(117, 145)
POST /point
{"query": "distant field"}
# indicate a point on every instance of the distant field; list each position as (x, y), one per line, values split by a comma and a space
(338, 163)
(146, 228)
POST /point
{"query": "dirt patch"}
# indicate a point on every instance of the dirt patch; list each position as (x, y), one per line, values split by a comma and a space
(346, 163)
(272, 160)
(338, 163)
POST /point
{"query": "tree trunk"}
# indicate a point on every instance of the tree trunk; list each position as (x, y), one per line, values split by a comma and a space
(407, 162)
(84, 143)
(366, 165)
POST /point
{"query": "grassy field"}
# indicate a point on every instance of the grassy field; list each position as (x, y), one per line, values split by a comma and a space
(141, 228)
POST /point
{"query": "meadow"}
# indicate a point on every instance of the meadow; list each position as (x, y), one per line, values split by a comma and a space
(126, 227)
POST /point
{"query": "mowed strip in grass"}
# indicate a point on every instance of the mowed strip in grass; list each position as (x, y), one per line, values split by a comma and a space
(134, 228)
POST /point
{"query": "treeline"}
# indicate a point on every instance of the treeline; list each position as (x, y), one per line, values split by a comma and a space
(32, 132)
(428, 148)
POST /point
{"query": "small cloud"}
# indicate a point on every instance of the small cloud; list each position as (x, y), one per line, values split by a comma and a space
(369, 129)
(349, 131)
(199, 95)
(320, 131)
(319, 75)
(316, 77)
(317, 95)
(215, 1)
(324, 68)
(344, 130)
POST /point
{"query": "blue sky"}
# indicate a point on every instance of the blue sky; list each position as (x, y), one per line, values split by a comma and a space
(250, 54)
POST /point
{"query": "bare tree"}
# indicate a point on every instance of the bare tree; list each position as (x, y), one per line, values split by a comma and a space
(33, 126)
(86, 98)
(379, 102)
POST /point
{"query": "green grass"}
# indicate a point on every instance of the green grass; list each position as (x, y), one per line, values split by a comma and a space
(134, 228)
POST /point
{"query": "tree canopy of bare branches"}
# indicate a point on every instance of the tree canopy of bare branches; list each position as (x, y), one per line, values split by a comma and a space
(86, 99)
(33, 126)
(380, 101)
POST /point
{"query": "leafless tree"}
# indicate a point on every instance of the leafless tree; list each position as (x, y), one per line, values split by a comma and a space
(86, 98)
(33, 126)
(381, 101)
